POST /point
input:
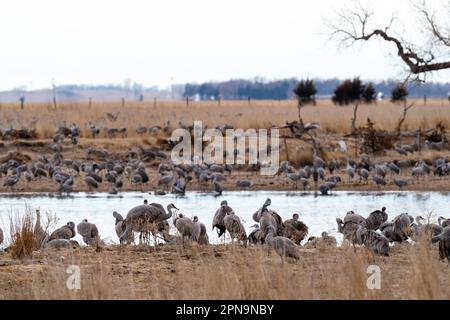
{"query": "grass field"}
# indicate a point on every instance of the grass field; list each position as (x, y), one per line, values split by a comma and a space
(226, 272)
(240, 114)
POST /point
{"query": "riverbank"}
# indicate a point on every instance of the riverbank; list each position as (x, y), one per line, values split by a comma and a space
(225, 272)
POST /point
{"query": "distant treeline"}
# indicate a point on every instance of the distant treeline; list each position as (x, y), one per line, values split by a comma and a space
(283, 89)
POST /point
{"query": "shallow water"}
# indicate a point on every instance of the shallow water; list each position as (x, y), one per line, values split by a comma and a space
(318, 212)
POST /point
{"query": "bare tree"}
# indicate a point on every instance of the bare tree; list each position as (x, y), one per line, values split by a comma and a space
(357, 24)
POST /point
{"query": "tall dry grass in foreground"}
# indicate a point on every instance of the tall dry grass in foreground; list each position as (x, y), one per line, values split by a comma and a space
(219, 272)
(240, 114)
(22, 236)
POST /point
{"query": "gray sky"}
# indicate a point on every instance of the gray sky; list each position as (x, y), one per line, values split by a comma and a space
(152, 42)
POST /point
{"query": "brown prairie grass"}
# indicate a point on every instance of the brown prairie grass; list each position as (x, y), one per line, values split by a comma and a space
(240, 114)
(229, 272)
(22, 236)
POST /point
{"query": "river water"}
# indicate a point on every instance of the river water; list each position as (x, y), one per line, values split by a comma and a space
(318, 212)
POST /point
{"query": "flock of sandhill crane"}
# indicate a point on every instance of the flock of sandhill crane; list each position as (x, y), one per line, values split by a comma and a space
(113, 170)
(322, 175)
(375, 232)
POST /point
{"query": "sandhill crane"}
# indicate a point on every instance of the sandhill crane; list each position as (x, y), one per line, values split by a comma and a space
(165, 181)
(184, 226)
(91, 182)
(40, 235)
(244, 184)
(376, 219)
(351, 216)
(401, 183)
(199, 233)
(120, 227)
(283, 246)
(324, 241)
(61, 244)
(430, 229)
(395, 169)
(399, 229)
(444, 243)
(12, 180)
(89, 232)
(349, 226)
(324, 189)
(372, 240)
(363, 174)
(65, 232)
(332, 165)
(295, 177)
(143, 218)
(294, 229)
(235, 228)
(217, 187)
(218, 218)
(350, 172)
(112, 116)
(256, 236)
(379, 181)
(443, 222)
(267, 218)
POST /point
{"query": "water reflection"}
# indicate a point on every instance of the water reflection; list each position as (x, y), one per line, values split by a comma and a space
(318, 212)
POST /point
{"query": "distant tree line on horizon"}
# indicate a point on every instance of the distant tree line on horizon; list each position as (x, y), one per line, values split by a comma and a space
(328, 88)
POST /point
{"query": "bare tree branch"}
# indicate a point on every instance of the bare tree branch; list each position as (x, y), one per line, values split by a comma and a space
(353, 26)
(405, 112)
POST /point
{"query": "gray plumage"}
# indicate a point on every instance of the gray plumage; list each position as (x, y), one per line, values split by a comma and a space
(401, 183)
(399, 229)
(143, 218)
(348, 229)
(234, 227)
(218, 218)
(1, 236)
(11, 181)
(65, 232)
(354, 218)
(184, 226)
(40, 236)
(120, 227)
(267, 217)
(443, 222)
(256, 236)
(295, 229)
(324, 241)
(244, 184)
(283, 246)
(376, 219)
(89, 232)
(91, 182)
(379, 180)
(199, 233)
(61, 243)
(373, 240)
(444, 243)
(429, 229)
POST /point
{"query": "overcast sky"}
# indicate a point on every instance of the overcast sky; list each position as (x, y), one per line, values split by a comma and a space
(160, 41)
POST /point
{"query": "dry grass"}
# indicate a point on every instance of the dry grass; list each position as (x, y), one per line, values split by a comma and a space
(227, 272)
(22, 236)
(240, 114)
